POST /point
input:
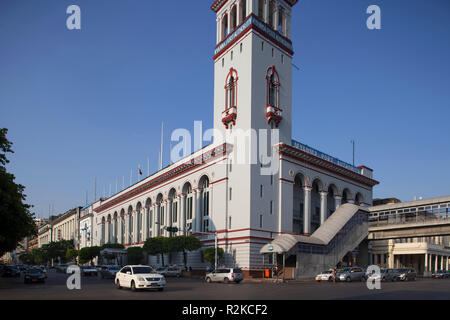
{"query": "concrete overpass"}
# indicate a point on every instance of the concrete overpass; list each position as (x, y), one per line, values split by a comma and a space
(401, 230)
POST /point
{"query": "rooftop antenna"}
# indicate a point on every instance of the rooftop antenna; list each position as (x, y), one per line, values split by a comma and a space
(353, 143)
(162, 146)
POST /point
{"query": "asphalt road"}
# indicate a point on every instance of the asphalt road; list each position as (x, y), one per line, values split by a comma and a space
(95, 288)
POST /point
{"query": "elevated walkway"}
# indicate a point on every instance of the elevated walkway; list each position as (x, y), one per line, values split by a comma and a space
(341, 233)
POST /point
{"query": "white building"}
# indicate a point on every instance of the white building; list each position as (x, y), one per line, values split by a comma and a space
(214, 190)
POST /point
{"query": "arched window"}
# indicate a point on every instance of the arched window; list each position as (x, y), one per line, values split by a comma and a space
(231, 89)
(242, 11)
(273, 88)
(272, 13)
(261, 10)
(224, 26)
(233, 17)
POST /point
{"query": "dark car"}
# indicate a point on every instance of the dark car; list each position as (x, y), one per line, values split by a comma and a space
(109, 272)
(11, 272)
(34, 275)
(440, 274)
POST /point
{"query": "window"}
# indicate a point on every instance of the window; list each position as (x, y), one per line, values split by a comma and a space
(261, 9)
(223, 62)
(175, 212)
(272, 15)
(233, 18)
(281, 28)
(231, 193)
(241, 47)
(229, 223)
(231, 165)
(261, 191)
(273, 87)
(262, 46)
(224, 26)
(273, 52)
(271, 207)
(161, 218)
(242, 11)
(189, 208)
(206, 225)
(231, 55)
(230, 89)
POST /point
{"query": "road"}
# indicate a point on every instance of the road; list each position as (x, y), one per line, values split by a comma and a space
(95, 288)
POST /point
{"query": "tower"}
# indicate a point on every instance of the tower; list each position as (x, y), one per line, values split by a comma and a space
(253, 66)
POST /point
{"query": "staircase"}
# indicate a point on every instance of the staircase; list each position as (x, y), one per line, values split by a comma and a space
(340, 234)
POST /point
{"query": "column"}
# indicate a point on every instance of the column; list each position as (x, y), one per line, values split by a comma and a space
(323, 206)
(183, 213)
(266, 11)
(276, 18)
(442, 262)
(426, 265)
(307, 211)
(114, 231)
(337, 201)
(436, 263)
(219, 30)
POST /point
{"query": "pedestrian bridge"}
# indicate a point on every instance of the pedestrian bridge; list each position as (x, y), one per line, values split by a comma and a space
(432, 227)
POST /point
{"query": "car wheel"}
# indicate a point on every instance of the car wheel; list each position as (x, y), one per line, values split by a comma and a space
(348, 279)
(118, 285)
(226, 280)
(133, 286)
(208, 280)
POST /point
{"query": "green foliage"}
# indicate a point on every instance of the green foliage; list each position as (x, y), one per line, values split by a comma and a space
(155, 246)
(209, 254)
(53, 250)
(135, 255)
(87, 254)
(71, 254)
(16, 220)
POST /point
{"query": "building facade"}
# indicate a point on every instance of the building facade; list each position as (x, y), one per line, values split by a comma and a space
(224, 189)
(426, 254)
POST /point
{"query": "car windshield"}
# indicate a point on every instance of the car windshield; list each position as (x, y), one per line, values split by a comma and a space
(237, 270)
(35, 271)
(142, 270)
(402, 270)
(344, 270)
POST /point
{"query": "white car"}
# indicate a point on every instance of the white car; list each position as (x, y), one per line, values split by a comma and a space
(139, 277)
(325, 276)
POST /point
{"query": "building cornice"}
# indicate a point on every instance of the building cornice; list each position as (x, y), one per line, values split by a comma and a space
(160, 178)
(300, 155)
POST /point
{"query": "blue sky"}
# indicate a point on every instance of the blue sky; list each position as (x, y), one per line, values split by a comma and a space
(89, 103)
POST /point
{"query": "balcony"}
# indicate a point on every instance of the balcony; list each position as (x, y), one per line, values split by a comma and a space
(229, 116)
(274, 114)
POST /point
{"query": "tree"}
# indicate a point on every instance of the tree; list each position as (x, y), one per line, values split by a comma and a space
(184, 244)
(16, 220)
(209, 254)
(71, 254)
(57, 250)
(88, 254)
(157, 245)
(135, 255)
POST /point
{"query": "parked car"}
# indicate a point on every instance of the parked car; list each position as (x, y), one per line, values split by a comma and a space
(109, 272)
(11, 271)
(407, 274)
(325, 276)
(350, 274)
(61, 268)
(385, 275)
(139, 277)
(88, 270)
(440, 274)
(225, 275)
(33, 275)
